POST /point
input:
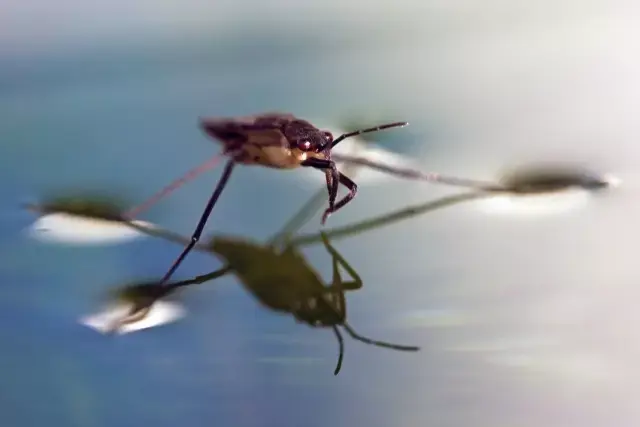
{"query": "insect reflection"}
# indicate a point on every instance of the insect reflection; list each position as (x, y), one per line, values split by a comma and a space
(278, 141)
(281, 279)
(285, 282)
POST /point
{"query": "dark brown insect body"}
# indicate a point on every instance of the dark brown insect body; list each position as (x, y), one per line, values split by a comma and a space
(275, 140)
(284, 281)
(283, 141)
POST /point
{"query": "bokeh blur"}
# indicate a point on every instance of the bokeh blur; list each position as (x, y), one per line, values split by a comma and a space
(522, 320)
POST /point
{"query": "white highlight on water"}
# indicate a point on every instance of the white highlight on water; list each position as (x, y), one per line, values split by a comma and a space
(67, 228)
(161, 313)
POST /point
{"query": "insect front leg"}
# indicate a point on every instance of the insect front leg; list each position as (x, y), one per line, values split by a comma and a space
(330, 167)
(353, 190)
(332, 186)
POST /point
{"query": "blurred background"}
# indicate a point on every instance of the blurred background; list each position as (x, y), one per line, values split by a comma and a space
(523, 321)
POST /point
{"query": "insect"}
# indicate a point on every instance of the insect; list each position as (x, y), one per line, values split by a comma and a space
(275, 140)
(283, 141)
(275, 273)
(282, 281)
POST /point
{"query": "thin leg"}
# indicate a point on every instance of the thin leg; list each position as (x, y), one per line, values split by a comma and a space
(373, 129)
(193, 173)
(421, 176)
(331, 176)
(141, 308)
(336, 331)
(203, 220)
(198, 280)
(329, 165)
(353, 190)
(366, 340)
(337, 260)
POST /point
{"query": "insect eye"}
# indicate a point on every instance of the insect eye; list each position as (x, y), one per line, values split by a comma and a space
(328, 135)
(305, 145)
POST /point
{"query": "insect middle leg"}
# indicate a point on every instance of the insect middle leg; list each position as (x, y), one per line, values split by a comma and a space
(329, 167)
(203, 220)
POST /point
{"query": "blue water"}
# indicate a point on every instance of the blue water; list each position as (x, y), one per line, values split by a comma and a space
(128, 125)
(124, 121)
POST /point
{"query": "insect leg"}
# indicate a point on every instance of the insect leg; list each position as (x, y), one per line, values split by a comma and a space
(193, 173)
(336, 331)
(357, 282)
(366, 340)
(203, 220)
(353, 190)
(332, 177)
(419, 175)
(337, 260)
(331, 183)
